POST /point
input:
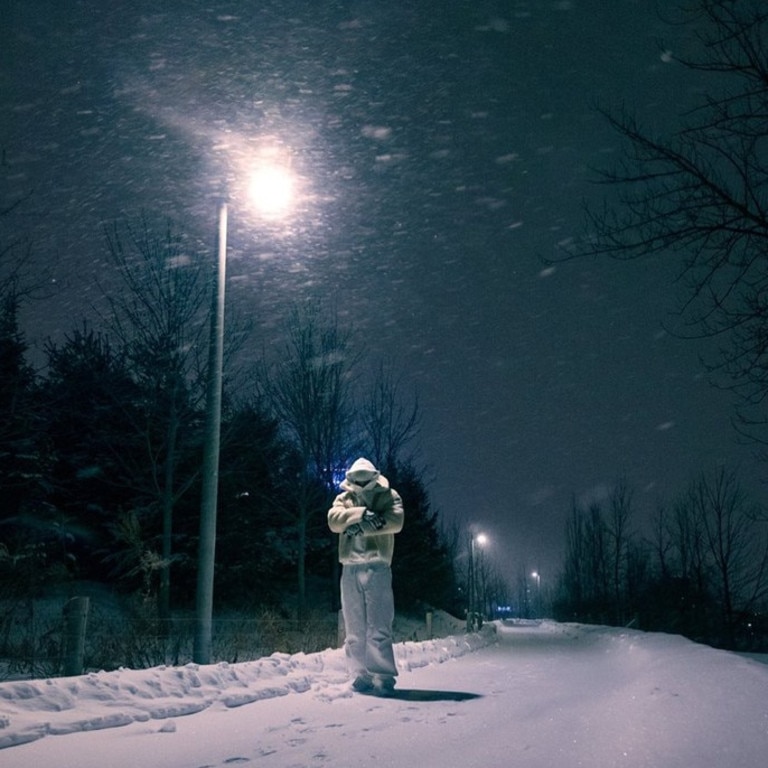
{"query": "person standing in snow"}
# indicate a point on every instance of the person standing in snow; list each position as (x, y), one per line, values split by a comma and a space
(367, 514)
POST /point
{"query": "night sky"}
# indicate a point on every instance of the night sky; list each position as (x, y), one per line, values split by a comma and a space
(445, 149)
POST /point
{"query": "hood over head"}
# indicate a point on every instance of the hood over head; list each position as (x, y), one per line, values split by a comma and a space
(362, 472)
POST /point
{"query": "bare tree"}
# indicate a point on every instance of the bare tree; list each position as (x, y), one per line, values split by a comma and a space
(598, 559)
(660, 542)
(736, 545)
(310, 388)
(687, 539)
(158, 318)
(617, 530)
(586, 577)
(574, 579)
(389, 423)
(702, 193)
(15, 254)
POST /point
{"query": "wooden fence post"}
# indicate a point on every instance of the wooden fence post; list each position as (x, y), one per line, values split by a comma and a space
(75, 617)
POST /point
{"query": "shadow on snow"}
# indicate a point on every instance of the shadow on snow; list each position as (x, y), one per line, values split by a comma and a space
(420, 694)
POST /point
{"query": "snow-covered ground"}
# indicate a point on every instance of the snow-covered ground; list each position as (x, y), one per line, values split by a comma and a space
(549, 695)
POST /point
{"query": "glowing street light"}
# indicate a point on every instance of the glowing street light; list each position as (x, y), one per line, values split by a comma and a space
(537, 576)
(272, 191)
(473, 617)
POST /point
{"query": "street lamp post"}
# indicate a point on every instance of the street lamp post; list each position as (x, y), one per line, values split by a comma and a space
(471, 584)
(272, 192)
(472, 612)
(537, 576)
(210, 472)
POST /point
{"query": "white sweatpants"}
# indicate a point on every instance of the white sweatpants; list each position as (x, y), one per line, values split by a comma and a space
(368, 606)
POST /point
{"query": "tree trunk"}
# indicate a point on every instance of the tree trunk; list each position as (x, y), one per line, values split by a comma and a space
(164, 597)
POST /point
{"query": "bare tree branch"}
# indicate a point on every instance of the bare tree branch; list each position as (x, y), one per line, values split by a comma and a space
(701, 195)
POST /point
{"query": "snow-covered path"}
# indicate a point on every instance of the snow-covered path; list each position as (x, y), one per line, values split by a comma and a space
(553, 696)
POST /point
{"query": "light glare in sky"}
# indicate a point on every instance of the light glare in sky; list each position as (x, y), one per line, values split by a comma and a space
(271, 190)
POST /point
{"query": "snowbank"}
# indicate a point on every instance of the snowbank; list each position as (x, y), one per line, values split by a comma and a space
(30, 710)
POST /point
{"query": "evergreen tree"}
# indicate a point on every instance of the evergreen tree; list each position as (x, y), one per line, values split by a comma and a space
(89, 400)
(423, 574)
(18, 453)
(27, 529)
(255, 542)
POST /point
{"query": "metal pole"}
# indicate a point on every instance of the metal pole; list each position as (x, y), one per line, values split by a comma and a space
(210, 478)
(537, 576)
(471, 585)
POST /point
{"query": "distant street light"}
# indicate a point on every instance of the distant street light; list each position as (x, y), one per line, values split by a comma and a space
(473, 618)
(271, 191)
(537, 576)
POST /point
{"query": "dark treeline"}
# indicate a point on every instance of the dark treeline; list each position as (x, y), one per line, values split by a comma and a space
(100, 452)
(694, 194)
(702, 572)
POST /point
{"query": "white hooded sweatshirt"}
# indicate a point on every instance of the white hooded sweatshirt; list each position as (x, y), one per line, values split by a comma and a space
(364, 488)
